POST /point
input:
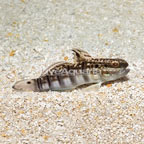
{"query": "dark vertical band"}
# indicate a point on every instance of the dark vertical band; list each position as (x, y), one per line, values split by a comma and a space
(37, 81)
(73, 79)
(86, 78)
(39, 84)
(60, 80)
(48, 80)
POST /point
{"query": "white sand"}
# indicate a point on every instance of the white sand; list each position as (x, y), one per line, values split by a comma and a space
(34, 34)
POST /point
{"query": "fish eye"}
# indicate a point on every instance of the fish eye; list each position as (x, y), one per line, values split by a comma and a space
(28, 82)
(115, 64)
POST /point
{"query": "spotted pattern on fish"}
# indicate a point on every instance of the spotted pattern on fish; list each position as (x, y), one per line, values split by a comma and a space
(63, 76)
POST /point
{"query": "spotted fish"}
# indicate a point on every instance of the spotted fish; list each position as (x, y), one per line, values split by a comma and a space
(63, 76)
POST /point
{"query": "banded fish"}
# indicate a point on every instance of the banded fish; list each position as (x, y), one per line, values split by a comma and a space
(63, 76)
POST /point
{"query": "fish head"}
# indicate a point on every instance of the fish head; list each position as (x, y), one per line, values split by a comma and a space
(111, 66)
(25, 85)
(114, 69)
(115, 63)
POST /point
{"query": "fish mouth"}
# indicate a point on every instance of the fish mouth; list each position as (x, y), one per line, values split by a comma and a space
(112, 71)
(115, 75)
(121, 73)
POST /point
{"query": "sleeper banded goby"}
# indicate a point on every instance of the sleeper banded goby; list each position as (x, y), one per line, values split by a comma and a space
(63, 76)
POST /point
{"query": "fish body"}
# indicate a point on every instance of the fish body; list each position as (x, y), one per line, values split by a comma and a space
(63, 76)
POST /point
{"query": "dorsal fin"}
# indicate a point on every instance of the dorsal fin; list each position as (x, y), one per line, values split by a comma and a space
(53, 66)
(81, 55)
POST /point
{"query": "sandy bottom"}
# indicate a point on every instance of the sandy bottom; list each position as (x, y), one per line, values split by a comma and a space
(34, 35)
